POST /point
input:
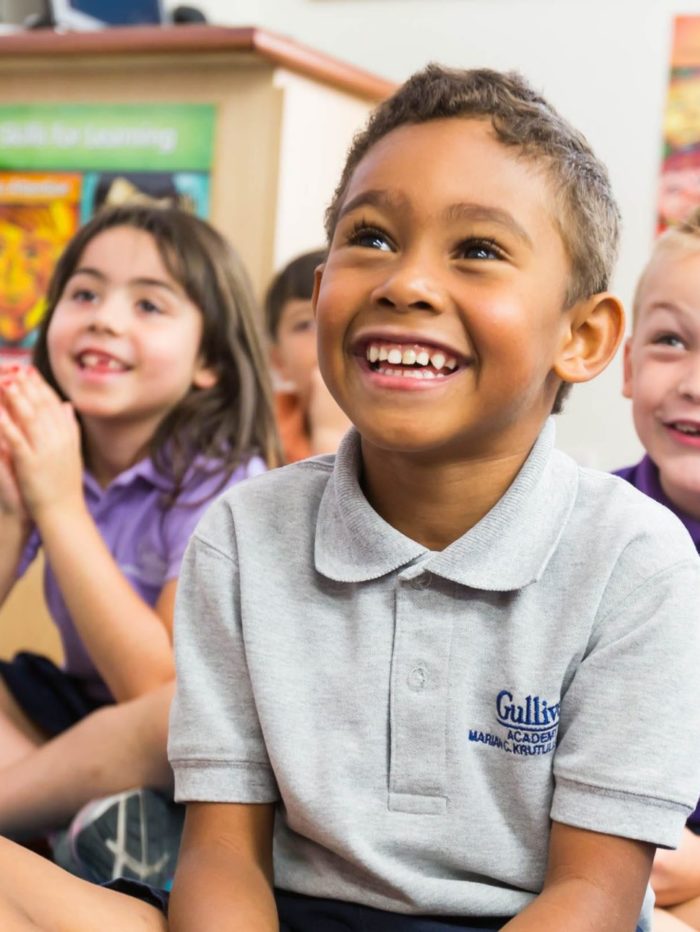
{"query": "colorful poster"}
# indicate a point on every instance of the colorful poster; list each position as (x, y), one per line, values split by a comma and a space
(60, 164)
(679, 188)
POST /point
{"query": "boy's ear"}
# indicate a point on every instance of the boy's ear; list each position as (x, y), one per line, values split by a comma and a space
(318, 275)
(627, 364)
(597, 325)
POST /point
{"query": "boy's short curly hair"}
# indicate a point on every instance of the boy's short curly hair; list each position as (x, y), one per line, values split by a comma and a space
(586, 214)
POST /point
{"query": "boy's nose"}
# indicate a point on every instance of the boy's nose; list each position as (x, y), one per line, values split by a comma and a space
(411, 286)
(689, 384)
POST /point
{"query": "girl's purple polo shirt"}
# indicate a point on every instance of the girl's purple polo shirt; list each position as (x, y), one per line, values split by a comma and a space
(146, 539)
(645, 477)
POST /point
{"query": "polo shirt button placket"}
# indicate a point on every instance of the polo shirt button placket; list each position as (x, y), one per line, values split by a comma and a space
(419, 694)
(417, 679)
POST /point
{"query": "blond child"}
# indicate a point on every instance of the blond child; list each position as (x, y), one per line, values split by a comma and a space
(662, 378)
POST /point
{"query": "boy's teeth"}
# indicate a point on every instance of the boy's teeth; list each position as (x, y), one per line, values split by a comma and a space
(687, 429)
(410, 356)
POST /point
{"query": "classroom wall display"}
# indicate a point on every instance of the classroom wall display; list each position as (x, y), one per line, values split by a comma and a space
(679, 187)
(60, 164)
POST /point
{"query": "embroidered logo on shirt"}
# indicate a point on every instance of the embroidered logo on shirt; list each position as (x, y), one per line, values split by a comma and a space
(528, 726)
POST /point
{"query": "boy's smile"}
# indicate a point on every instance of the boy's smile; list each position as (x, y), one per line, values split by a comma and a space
(662, 373)
(440, 308)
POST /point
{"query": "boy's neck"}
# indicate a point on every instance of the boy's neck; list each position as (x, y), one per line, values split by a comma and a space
(435, 504)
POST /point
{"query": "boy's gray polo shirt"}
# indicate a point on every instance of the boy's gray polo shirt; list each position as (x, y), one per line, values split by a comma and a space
(422, 716)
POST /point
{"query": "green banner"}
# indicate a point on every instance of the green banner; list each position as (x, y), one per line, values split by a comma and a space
(128, 137)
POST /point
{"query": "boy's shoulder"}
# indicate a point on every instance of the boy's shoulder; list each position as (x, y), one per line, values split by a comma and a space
(614, 518)
(283, 498)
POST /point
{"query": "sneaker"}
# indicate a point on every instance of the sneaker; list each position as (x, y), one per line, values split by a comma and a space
(134, 834)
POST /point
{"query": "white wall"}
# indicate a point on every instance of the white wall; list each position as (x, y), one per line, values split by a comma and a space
(603, 63)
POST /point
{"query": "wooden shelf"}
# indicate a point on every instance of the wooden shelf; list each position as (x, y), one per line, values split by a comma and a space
(169, 40)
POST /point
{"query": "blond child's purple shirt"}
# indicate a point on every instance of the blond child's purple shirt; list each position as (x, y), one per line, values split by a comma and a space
(146, 538)
(645, 477)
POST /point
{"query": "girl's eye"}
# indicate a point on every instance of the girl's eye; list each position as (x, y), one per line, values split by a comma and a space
(369, 237)
(149, 307)
(479, 249)
(84, 295)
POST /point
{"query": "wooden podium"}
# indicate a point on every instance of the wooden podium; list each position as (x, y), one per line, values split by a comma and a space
(285, 116)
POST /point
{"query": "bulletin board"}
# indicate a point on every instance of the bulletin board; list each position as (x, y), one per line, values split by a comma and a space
(679, 187)
(60, 163)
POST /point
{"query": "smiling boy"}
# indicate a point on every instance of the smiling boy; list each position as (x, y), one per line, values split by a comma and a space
(662, 378)
(452, 674)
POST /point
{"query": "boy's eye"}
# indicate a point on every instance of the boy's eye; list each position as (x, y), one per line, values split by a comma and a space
(474, 248)
(303, 326)
(669, 339)
(369, 237)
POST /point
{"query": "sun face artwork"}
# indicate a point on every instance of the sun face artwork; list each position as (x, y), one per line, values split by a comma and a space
(679, 184)
(33, 231)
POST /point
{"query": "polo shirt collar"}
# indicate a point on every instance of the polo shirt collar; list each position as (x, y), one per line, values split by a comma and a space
(144, 471)
(508, 549)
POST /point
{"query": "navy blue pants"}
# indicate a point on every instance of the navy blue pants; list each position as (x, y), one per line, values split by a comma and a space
(52, 699)
(310, 914)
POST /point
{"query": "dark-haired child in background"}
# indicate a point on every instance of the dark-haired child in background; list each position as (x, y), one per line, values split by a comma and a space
(308, 419)
(148, 397)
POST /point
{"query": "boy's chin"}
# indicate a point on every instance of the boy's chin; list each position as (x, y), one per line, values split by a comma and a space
(680, 480)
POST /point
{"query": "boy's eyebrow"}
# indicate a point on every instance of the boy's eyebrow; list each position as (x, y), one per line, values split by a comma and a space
(462, 211)
(374, 197)
(483, 212)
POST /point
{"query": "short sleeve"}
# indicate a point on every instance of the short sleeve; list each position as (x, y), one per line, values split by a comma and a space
(215, 746)
(31, 548)
(181, 520)
(627, 761)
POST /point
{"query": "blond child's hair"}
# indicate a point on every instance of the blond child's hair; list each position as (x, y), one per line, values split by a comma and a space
(683, 236)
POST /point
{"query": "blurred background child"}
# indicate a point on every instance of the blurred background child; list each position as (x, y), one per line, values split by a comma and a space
(308, 419)
(149, 396)
(662, 377)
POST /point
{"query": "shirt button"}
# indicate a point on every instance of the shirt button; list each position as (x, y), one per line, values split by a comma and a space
(421, 582)
(417, 679)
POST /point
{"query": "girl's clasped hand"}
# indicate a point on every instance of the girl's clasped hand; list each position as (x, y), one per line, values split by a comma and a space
(40, 458)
